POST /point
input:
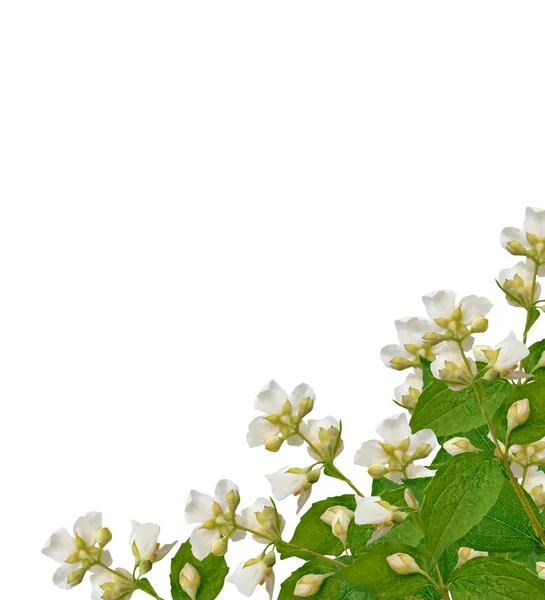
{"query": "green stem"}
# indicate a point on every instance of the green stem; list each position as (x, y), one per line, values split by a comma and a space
(344, 478)
(114, 572)
(528, 326)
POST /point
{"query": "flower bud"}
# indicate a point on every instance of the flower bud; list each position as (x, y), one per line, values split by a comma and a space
(309, 585)
(269, 560)
(104, 537)
(465, 554)
(313, 476)
(400, 364)
(403, 564)
(233, 500)
(190, 580)
(76, 577)
(422, 451)
(480, 325)
(273, 444)
(518, 413)
(399, 516)
(305, 406)
(433, 337)
(458, 445)
(219, 547)
(377, 471)
(516, 248)
(540, 363)
(339, 518)
(540, 568)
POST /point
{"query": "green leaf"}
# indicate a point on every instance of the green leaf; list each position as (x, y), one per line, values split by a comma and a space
(212, 570)
(495, 578)
(313, 534)
(331, 589)
(371, 573)
(389, 491)
(417, 486)
(458, 497)
(532, 317)
(447, 412)
(427, 376)
(428, 592)
(448, 561)
(478, 437)
(525, 557)
(357, 537)
(536, 350)
(534, 428)
(505, 528)
(145, 586)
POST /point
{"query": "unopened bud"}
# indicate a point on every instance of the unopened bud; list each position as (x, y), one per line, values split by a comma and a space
(516, 248)
(540, 568)
(403, 564)
(305, 406)
(465, 554)
(399, 516)
(273, 444)
(190, 580)
(433, 337)
(104, 537)
(309, 585)
(339, 518)
(377, 471)
(518, 413)
(269, 560)
(480, 325)
(540, 363)
(399, 363)
(233, 500)
(422, 451)
(458, 445)
(76, 577)
(219, 547)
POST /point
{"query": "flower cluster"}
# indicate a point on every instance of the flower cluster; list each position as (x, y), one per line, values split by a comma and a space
(457, 479)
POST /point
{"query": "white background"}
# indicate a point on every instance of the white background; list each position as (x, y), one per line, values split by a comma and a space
(200, 196)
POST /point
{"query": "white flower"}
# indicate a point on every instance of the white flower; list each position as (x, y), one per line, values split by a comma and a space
(283, 413)
(503, 359)
(107, 586)
(518, 282)
(324, 435)
(310, 584)
(293, 481)
(408, 393)
(457, 320)
(338, 517)
(379, 513)
(263, 518)
(254, 572)
(465, 554)
(216, 516)
(410, 332)
(459, 445)
(530, 240)
(76, 553)
(451, 367)
(399, 449)
(146, 549)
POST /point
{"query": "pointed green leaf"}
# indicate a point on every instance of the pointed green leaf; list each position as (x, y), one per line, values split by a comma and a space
(458, 497)
(495, 578)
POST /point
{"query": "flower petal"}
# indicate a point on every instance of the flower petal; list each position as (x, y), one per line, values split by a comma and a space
(394, 429)
(271, 399)
(370, 453)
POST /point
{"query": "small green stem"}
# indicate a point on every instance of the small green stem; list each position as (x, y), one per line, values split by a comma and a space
(528, 325)
(344, 478)
(114, 572)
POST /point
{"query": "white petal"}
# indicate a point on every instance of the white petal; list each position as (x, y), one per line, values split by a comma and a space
(259, 431)
(394, 429)
(59, 546)
(237, 535)
(60, 578)
(202, 540)
(440, 304)
(198, 508)
(248, 514)
(412, 329)
(474, 307)
(269, 585)
(295, 440)
(534, 221)
(164, 550)
(301, 392)
(424, 436)
(285, 484)
(303, 498)
(246, 579)
(145, 536)
(388, 353)
(271, 399)
(222, 489)
(512, 234)
(370, 453)
(416, 471)
(512, 352)
(413, 380)
(86, 527)
(368, 512)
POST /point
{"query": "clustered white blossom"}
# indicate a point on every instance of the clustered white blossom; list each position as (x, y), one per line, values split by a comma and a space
(444, 343)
